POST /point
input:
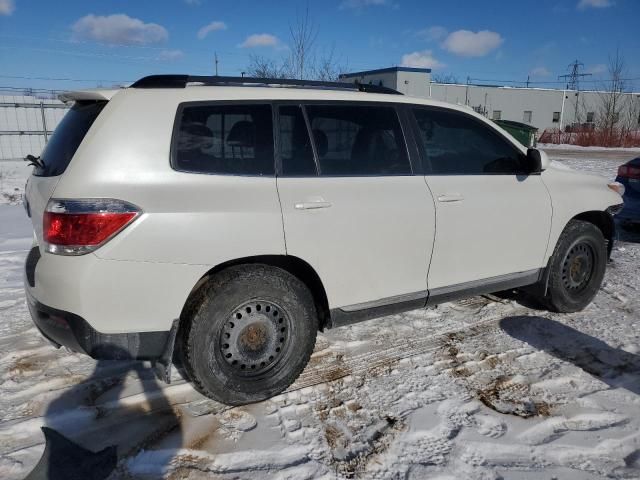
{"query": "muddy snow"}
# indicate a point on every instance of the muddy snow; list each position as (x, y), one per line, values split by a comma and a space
(487, 388)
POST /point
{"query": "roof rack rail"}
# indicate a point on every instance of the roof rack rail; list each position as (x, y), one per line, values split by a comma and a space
(181, 81)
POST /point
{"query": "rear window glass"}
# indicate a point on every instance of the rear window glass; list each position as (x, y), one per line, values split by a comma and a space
(225, 139)
(67, 138)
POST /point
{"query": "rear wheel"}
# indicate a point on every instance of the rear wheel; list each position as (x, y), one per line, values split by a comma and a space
(252, 334)
(577, 267)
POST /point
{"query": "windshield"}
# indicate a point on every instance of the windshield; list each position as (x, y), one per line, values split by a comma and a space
(67, 138)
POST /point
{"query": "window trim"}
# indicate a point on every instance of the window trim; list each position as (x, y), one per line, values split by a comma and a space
(428, 171)
(202, 103)
(402, 110)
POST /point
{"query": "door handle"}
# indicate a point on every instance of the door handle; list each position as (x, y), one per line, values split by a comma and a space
(311, 205)
(450, 197)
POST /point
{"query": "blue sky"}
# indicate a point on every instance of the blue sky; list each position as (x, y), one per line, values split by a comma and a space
(119, 40)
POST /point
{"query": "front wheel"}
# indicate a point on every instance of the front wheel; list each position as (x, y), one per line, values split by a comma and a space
(252, 334)
(577, 267)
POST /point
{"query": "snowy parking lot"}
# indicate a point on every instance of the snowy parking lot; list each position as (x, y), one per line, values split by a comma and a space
(486, 388)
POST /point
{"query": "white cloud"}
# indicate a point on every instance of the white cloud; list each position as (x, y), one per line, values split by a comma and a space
(212, 27)
(360, 4)
(594, 4)
(7, 7)
(422, 59)
(472, 44)
(118, 29)
(597, 69)
(261, 40)
(170, 55)
(433, 33)
(540, 72)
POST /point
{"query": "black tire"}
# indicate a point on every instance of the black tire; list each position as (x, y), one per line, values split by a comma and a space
(577, 267)
(251, 334)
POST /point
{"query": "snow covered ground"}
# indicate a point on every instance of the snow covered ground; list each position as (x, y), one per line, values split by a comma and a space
(13, 176)
(485, 388)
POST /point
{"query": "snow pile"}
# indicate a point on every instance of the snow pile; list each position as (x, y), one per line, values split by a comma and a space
(13, 177)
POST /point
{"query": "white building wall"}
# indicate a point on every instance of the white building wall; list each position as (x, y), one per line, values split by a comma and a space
(542, 103)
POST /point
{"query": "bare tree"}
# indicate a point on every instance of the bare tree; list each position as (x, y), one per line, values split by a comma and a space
(263, 67)
(444, 78)
(303, 60)
(328, 67)
(612, 98)
(303, 34)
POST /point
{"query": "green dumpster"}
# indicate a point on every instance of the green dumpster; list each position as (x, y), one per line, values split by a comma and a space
(524, 133)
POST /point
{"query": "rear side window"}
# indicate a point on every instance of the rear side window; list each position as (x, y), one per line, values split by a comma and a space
(295, 145)
(456, 144)
(358, 140)
(224, 139)
(67, 138)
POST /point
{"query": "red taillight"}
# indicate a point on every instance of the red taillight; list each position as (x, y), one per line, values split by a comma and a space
(75, 227)
(629, 171)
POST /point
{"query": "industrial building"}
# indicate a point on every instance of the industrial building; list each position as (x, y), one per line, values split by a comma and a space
(543, 108)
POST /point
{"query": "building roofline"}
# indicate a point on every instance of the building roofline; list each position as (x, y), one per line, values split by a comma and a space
(385, 70)
(513, 87)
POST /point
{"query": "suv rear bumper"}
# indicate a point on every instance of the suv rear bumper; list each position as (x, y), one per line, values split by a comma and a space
(72, 331)
(106, 309)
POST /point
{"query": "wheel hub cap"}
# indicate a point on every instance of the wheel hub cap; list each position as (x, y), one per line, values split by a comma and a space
(254, 336)
(577, 267)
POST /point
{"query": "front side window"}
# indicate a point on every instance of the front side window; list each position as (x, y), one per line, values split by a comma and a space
(456, 144)
(225, 139)
(295, 145)
(358, 140)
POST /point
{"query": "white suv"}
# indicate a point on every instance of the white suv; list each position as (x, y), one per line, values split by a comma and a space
(226, 220)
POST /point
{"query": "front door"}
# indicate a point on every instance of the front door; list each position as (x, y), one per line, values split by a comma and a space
(493, 220)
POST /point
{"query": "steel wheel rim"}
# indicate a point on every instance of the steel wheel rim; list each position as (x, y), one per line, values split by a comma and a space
(578, 267)
(254, 337)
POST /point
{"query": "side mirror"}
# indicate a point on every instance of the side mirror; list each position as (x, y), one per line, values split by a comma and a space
(537, 160)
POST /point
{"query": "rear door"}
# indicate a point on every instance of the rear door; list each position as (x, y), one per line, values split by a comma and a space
(493, 219)
(351, 205)
(56, 156)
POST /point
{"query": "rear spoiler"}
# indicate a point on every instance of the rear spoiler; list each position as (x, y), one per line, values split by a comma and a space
(96, 94)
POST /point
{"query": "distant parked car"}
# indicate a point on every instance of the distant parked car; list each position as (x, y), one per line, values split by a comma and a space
(629, 176)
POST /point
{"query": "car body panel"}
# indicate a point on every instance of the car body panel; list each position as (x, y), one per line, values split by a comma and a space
(499, 226)
(373, 242)
(631, 211)
(573, 193)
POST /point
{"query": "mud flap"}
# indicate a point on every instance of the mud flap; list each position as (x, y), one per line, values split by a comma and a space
(64, 459)
(162, 365)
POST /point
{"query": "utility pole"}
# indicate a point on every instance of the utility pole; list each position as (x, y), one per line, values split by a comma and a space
(216, 60)
(527, 81)
(573, 83)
